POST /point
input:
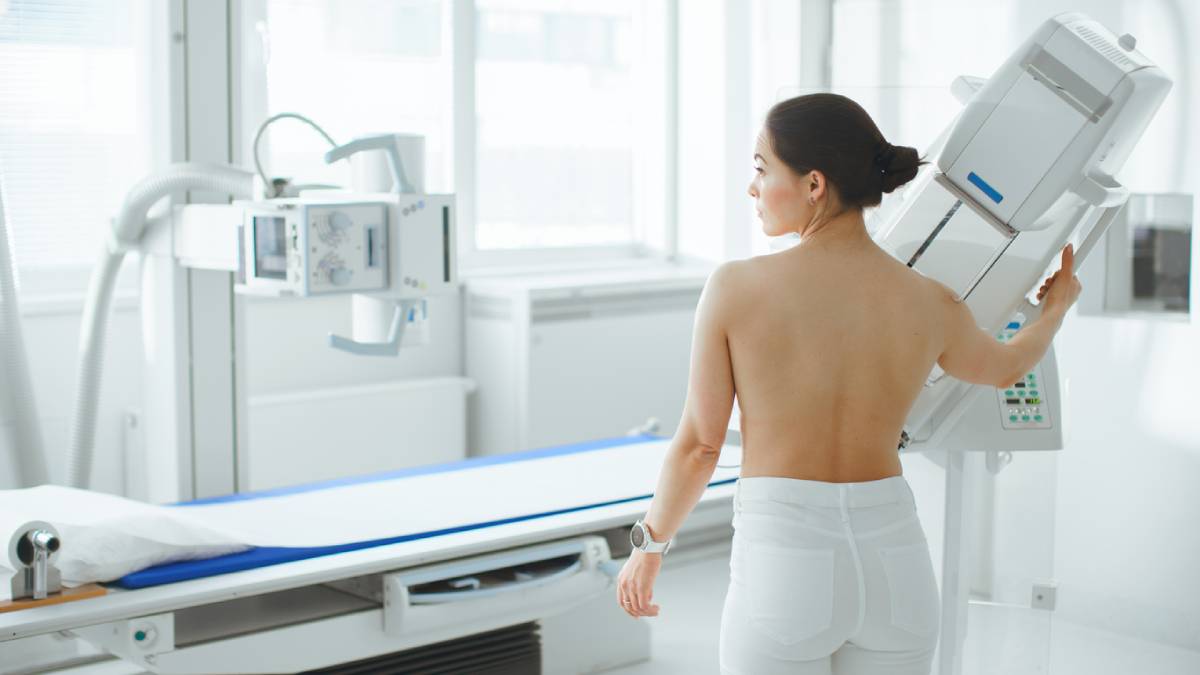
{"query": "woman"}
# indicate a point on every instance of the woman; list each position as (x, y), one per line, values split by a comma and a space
(826, 345)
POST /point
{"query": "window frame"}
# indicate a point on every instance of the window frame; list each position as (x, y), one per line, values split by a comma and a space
(654, 223)
(62, 288)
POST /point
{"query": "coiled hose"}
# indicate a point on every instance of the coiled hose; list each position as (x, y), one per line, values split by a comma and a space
(127, 230)
(18, 411)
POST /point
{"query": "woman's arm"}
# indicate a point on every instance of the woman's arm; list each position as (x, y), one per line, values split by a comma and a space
(696, 446)
(973, 355)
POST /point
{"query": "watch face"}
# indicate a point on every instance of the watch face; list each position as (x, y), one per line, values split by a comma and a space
(637, 536)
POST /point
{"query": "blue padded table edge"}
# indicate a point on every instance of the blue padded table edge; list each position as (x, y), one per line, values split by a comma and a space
(265, 556)
(444, 467)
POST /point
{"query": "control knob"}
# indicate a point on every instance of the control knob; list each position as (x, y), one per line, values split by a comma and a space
(339, 276)
(339, 222)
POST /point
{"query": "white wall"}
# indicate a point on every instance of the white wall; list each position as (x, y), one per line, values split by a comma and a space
(51, 338)
(1127, 550)
(288, 349)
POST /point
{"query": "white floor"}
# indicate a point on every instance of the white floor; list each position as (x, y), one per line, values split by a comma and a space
(1000, 641)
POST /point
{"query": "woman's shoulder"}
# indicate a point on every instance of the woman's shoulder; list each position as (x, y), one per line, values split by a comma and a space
(727, 287)
(735, 275)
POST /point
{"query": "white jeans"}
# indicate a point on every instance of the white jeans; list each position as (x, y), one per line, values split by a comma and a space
(828, 578)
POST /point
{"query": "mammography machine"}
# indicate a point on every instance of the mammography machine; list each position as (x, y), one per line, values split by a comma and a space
(460, 560)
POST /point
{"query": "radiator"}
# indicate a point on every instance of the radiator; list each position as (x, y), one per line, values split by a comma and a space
(515, 650)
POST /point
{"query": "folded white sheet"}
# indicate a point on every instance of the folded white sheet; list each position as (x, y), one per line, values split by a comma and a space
(106, 537)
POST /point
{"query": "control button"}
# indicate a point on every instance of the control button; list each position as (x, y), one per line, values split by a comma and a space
(1009, 392)
(1024, 418)
(145, 636)
(1012, 418)
(1013, 325)
(1037, 418)
(1033, 392)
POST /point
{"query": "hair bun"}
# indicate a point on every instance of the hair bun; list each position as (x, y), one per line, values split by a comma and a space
(897, 165)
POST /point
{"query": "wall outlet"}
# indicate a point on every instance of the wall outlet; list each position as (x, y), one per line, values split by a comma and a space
(1045, 595)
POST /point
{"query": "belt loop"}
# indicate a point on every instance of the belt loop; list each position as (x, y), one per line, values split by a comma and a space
(844, 499)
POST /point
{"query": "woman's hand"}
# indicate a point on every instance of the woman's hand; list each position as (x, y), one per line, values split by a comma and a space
(635, 584)
(1062, 289)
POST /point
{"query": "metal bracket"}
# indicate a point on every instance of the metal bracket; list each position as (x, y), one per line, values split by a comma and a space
(406, 311)
(37, 578)
(386, 143)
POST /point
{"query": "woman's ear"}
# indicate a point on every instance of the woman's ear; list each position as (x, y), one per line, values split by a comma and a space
(816, 183)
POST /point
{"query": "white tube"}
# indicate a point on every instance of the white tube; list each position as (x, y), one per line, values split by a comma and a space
(127, 231)
(19, 428)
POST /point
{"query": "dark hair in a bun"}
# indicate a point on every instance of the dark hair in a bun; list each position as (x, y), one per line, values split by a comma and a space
(834, 135)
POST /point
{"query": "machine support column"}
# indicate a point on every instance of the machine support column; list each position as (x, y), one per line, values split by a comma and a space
(955, 590)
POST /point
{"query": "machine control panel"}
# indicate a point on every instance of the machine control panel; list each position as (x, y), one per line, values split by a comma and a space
(1023, 403)
(307, 249)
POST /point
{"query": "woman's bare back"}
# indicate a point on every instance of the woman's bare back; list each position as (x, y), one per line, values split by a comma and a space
(829, 350)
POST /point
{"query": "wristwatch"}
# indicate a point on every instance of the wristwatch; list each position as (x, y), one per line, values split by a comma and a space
(639, 536)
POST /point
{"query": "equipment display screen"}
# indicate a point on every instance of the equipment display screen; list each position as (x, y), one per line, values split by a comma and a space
(270, 247)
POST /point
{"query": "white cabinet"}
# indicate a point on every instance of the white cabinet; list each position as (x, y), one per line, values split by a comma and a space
(564, 358)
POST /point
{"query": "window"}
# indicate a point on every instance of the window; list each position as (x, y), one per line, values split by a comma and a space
(554, 97)
(899, 59)
(355, 68)
(568, 146)
(84, 115)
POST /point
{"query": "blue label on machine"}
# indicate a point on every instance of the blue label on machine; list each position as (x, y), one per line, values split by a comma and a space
(983, 185)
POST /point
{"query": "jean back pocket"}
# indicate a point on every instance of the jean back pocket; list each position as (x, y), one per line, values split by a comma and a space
(914, 594)
(788, 591)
